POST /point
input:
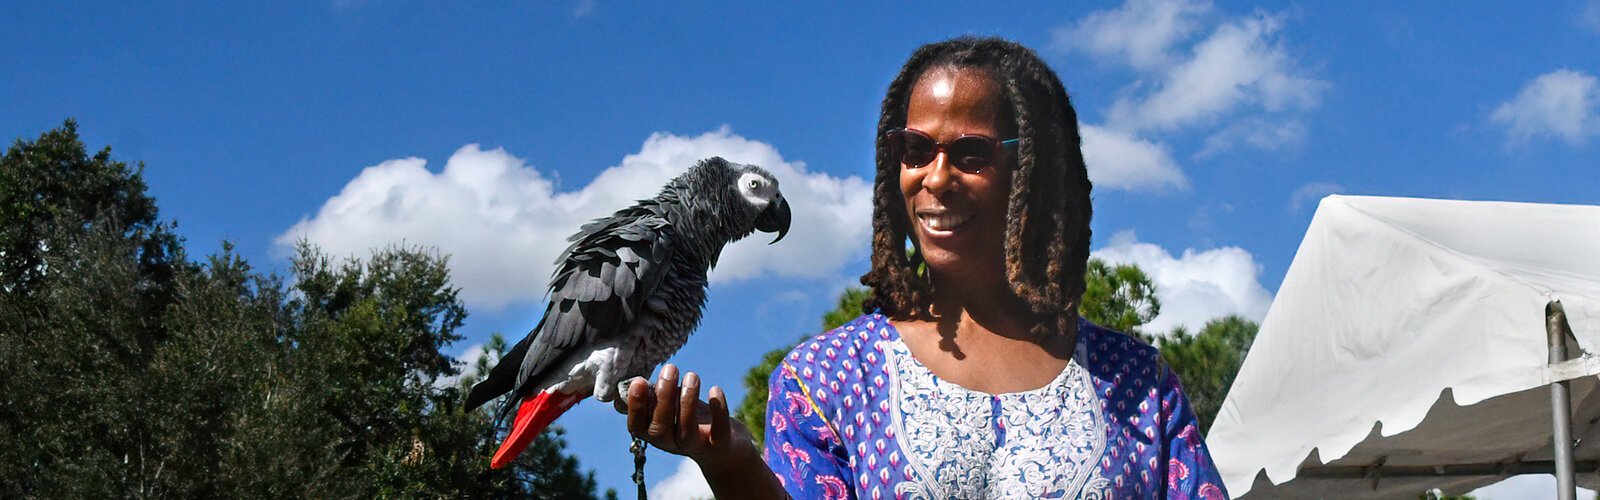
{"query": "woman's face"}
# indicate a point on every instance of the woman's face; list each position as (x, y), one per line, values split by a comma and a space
(958, 218)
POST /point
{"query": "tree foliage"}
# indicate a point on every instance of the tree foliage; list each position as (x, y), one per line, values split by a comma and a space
(128, 371)
(50, 185)
(1207, 362)
(1120, 297)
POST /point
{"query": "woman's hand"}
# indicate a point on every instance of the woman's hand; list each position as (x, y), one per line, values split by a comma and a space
(674, 419)
(671, 417)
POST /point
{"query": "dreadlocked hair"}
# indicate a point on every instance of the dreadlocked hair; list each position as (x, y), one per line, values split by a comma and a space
(1047, 213)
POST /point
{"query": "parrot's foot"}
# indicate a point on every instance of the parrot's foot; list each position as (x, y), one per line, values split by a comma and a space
(620, 399)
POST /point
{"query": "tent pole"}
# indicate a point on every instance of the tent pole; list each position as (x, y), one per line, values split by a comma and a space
(1557, 330)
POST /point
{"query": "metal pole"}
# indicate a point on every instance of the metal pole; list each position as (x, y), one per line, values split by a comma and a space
(1557, 330)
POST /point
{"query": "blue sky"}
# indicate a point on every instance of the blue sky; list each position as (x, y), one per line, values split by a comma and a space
(1211, 129)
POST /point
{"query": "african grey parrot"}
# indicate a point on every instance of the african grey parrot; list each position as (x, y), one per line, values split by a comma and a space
(627, 293)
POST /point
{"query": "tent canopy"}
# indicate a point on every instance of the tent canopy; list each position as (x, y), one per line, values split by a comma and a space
(1408, 338)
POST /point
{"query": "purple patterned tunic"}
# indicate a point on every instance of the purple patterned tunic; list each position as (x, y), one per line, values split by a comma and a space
(853, 415)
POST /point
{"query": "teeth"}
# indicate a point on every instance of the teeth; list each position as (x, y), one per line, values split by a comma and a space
(944, 222)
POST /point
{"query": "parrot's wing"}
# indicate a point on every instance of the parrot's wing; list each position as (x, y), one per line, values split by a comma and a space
(602, 281)
(503, 377)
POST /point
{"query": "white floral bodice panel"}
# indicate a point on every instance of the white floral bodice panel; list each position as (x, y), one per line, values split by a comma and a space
(967, 444)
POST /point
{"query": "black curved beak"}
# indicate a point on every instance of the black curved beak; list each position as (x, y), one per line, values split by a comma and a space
(775, 219)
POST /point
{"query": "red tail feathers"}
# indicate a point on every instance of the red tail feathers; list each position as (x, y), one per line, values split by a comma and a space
(533, 416)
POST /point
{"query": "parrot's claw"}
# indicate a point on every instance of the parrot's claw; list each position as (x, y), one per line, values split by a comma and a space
(621, 399)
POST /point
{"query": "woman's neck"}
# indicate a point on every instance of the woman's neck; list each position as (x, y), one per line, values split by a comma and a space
(985, 299)
(976, 310)
(986, 350)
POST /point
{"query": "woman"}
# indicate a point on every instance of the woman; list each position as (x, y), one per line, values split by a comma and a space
(973, 376)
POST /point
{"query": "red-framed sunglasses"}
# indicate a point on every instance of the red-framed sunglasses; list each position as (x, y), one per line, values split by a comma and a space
(968, 153)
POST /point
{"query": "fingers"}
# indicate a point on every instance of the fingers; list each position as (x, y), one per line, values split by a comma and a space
(664, 423)
(719, 418)
(639, 397)
(689, 399)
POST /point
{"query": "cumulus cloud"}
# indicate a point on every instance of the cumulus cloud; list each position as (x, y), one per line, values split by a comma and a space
(1560, 104)
(1313, 192)
(1197, 286)
(1120, 160)
(1231, 79)
(685, 484)
(503, 222)
(1239, 66)
(1141, 34)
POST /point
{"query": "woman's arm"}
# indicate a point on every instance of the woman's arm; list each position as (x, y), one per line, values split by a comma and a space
(674, 419)
(1190, 472)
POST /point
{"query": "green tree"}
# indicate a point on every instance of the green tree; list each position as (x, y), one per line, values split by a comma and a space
(1120, 297)
(129, 371)
(86, 270)
(1208, 361)
(71, 359)
(51, 191)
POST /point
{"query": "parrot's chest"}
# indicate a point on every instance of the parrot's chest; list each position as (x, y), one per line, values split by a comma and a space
(670, 314)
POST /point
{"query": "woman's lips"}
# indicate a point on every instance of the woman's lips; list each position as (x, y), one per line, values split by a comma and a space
(941, 221)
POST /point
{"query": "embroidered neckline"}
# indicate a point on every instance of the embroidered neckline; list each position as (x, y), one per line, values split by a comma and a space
(963, 443)
(1079, 357)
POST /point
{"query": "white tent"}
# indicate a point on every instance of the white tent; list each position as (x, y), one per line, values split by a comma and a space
(1406, 350)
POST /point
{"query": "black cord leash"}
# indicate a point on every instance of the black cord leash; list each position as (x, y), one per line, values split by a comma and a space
(638, 466)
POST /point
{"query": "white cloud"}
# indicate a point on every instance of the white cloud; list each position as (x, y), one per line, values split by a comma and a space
(503, 222)
(1119, 160)
(1140, 34)
(1239, 66)
(1312, 192)
(1524, 487)
(467, 362)
(1560, 104)
(1259, 133)
(1230, 78)
(1198, 286)
(684, 484)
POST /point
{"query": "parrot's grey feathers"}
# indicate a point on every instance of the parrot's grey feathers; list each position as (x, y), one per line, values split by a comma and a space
(502, 377)
(640, 272)
(596, 287)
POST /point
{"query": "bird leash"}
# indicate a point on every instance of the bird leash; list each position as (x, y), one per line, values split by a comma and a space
(638, 466)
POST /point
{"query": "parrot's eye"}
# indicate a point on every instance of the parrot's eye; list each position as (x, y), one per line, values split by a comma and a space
(754, 184)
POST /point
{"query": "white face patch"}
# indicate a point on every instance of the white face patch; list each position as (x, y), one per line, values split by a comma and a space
(757, 190)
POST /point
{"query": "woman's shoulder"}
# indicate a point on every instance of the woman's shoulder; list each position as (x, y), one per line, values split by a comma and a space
(844, 352)
(1109, 353)
(854, 339)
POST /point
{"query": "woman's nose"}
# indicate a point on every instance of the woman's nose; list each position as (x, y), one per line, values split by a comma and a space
(939, 178)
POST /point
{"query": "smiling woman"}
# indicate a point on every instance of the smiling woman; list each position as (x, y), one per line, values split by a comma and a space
(972, 374)
(955, 200)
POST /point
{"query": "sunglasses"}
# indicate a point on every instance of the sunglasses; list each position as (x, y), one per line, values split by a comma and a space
(968, 153)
